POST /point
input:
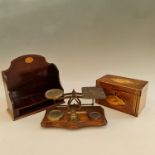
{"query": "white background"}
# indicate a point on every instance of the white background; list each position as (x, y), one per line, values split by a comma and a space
(86, 40)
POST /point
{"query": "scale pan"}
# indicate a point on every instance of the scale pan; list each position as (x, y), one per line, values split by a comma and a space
(55, 115)
(93, 92)
(54, 94)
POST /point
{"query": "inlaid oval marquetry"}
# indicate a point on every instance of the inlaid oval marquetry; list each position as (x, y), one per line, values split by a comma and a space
(121, 80)
(115, 101)
(29, 60)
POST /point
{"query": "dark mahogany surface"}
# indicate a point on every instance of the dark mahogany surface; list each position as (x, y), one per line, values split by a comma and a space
(26, 83)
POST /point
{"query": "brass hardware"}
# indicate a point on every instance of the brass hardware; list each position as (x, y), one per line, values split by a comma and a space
(93, 92)
(74, 102)
(73, 115)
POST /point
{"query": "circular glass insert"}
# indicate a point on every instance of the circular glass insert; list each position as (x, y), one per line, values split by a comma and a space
(95, 115)
(55, 115)
(54, 94)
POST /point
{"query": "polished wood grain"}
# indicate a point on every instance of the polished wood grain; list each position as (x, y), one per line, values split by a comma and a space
(26, 81)
(131, 92)
(82, 115)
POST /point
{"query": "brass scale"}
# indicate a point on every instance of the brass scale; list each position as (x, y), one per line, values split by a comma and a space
(74, 103)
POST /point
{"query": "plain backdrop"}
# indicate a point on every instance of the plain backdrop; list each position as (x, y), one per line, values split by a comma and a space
(86, 39)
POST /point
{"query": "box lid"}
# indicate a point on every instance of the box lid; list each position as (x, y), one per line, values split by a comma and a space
(132, 85)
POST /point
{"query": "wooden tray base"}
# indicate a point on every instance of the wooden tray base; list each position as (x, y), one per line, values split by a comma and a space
(83, 118)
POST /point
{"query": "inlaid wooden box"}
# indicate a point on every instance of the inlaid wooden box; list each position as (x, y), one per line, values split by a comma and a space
(124, 94)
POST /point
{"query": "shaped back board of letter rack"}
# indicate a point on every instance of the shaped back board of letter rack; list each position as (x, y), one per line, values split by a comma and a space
(26, 82)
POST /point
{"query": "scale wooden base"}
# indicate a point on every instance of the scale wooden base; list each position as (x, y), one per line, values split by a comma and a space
(76, 115)
(84, 117)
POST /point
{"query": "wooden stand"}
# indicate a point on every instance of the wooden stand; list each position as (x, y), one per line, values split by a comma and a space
(82, 120)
